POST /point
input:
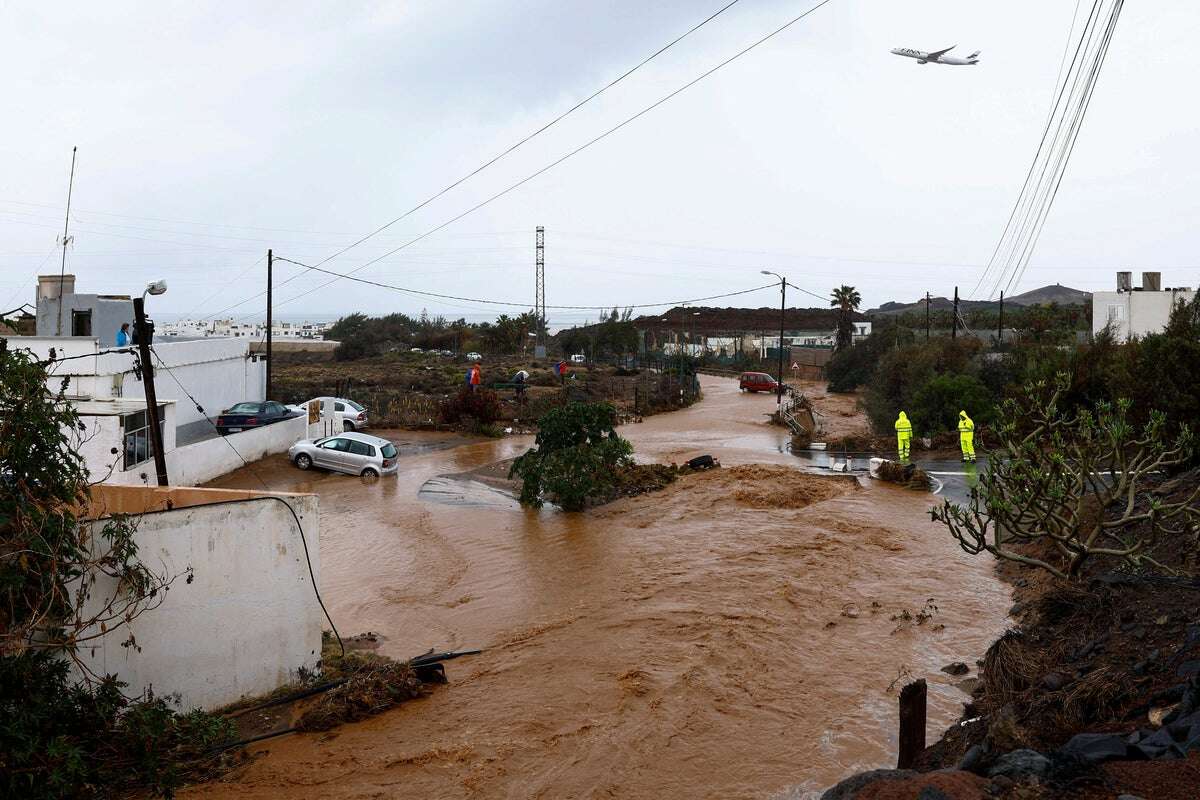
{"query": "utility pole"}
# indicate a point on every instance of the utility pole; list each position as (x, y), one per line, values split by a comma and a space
(143, 338)
(782, 311)
(66, 240)
(927, 299)
(270, 357)
(539, 298)
(954, 328)
(1000, 324)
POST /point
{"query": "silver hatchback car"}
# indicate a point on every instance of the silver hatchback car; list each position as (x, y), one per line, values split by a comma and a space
(352, 453)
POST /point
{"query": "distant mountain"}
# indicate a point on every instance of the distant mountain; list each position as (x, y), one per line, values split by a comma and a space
(1056, 293)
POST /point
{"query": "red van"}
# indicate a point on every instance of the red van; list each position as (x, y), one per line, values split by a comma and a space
(757, 382)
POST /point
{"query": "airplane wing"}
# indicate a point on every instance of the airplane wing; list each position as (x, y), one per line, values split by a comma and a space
(938, 53)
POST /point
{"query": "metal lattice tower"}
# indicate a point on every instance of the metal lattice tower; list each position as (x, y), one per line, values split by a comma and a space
(539, 299)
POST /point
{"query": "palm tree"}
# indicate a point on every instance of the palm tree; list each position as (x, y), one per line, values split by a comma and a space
(846, 300)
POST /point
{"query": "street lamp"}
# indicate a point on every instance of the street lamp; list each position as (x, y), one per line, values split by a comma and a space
(782, 309)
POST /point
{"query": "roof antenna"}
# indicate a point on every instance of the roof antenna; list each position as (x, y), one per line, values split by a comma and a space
(66, 240)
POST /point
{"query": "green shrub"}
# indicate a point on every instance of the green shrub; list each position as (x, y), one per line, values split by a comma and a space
(62, 739)
(574, 458)
(936, 405)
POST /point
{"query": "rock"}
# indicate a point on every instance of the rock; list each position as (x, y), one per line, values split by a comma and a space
(957, 668)
(1020, 764)
(847, 789)
(1096, 747)
(1052, 681)
(933, 793)
(1187, 669)
(972, 758)
(967, 685)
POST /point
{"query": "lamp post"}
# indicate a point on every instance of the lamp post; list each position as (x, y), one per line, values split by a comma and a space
(143, 337)
(782, 309)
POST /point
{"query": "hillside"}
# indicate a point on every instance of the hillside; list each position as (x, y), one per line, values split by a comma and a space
(1056, 293)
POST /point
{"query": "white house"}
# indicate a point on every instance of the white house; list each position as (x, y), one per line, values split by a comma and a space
(109, 395)
(1136, 311)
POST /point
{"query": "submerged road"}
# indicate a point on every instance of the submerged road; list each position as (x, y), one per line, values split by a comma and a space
(718, 638)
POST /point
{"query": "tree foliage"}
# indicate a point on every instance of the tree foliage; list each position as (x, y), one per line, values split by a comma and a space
(846, 299)
(574, 458)
(60, 738)
(1071, 479)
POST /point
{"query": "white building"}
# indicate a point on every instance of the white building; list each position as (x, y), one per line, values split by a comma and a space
(1136, 311)
(244, 330)
(109, 395)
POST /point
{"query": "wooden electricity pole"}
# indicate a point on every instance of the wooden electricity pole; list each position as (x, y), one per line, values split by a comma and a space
(270, 359)
(954, 327)
(143, 341)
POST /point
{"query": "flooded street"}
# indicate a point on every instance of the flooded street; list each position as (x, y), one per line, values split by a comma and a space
(730, 636)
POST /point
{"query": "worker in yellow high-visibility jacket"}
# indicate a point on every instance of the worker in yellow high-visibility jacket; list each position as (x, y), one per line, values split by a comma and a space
(903, 435)
(966, 436)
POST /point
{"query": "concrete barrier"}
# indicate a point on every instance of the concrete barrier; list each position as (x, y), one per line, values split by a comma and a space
(205, 460)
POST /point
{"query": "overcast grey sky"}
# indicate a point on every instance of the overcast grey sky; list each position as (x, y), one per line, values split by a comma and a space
(208, 133)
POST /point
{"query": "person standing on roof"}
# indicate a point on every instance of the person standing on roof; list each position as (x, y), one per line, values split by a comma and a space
(966, 436)
(123, 339)
(903, 436)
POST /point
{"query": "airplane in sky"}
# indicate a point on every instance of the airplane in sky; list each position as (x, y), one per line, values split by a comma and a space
(938, 56)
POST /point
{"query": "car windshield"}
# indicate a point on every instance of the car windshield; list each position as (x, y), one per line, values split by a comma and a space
(245, 408)
(354, 405)
(388, 450)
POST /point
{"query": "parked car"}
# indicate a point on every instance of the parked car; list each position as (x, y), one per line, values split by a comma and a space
(757, 382)
(578, 358)
(415, 350)
(352, 453)
(474, 357)
(354, 417)
(252, 415)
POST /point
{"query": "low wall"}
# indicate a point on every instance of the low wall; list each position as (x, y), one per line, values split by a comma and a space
(205, 460)
(249, 619)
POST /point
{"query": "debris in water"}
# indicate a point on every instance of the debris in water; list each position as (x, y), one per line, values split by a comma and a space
(908, 475)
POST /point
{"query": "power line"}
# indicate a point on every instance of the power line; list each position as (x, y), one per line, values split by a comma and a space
(540, 130)
(440, 296)
(568, 155)
(1021, 196)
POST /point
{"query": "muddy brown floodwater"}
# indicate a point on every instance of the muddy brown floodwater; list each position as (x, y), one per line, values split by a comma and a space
(718, 639)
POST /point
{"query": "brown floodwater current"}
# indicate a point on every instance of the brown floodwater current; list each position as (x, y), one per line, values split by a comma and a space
(703, 641)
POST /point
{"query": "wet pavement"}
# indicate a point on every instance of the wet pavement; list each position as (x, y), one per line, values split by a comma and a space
(701, 641)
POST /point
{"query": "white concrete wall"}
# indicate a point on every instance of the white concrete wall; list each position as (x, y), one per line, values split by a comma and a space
(200, 462)
(217, 372)
(245, 624)
(1135, 313)
(190, 465)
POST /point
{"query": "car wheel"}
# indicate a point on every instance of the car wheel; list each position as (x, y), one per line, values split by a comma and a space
(370, 472)
(304, 461)
(347, 425)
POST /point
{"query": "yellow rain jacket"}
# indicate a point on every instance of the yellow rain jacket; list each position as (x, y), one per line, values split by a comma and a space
(966, 435)
(904, 434)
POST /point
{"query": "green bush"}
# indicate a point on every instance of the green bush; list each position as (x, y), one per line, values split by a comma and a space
(575, 456)
(61, 739)
(936, 405)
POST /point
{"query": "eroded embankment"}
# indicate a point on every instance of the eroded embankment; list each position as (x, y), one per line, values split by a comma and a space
(691, 642)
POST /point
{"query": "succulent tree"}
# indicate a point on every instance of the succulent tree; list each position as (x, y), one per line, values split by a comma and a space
(1072, 480)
